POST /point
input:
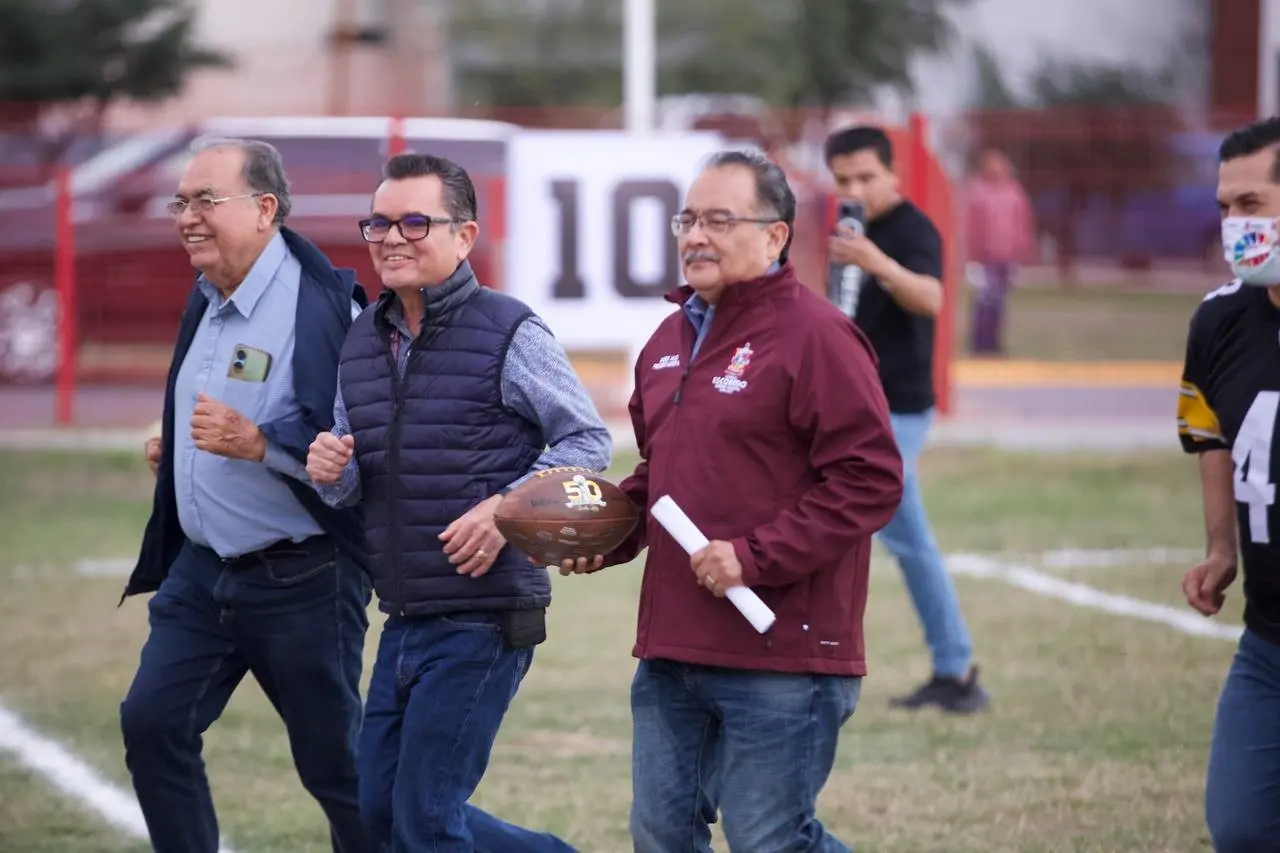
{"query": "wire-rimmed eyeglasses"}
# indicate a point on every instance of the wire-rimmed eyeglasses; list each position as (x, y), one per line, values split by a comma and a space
(715, 222)
(415, 226)
(202, 204)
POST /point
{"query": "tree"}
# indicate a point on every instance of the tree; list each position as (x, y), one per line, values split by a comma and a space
(1078, 84)
(514, 55)
(71, 59)
(992, 91)
(788, 52)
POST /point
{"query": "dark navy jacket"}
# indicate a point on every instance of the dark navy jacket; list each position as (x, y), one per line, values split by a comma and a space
(432, 444)
(324, 316)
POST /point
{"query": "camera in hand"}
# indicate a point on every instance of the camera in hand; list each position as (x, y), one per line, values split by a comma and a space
(852, 214)
(847, 286)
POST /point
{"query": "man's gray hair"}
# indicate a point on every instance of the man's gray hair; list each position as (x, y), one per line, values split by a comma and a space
(263, 168)
(773, 193)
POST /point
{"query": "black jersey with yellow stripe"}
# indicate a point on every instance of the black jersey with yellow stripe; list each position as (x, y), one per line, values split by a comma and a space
(1229, 400)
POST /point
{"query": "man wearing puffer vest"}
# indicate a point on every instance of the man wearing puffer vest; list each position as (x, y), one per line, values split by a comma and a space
(449, 394)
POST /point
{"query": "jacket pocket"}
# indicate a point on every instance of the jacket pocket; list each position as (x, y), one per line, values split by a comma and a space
(797, 629)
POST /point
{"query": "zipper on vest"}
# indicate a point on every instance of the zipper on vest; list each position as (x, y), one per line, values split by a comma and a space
(399, 385)
(393, 474)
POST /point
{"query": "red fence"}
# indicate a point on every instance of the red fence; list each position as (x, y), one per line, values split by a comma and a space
(1122, 188)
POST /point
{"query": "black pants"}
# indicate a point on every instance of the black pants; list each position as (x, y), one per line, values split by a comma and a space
(297, 621)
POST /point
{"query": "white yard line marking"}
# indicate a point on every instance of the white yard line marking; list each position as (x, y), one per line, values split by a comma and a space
(1081, 595)
(71, 776)
(118, 568)
(1092, 558)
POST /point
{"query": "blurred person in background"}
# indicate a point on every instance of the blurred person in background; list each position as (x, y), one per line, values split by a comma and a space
(450, 394)
(1227, 412)
(1001, 231)
(888, 278)
(252, 572)
(758, 409)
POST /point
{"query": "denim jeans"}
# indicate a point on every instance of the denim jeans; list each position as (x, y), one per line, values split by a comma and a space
(439, 691)
(755, 746)
(908, 538)
(298, 624)
(1242, 794)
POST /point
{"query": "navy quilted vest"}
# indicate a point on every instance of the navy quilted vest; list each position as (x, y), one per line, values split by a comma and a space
(435, 443)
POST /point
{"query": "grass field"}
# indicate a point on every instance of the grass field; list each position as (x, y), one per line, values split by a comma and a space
(1089, 324)
(1096, 740)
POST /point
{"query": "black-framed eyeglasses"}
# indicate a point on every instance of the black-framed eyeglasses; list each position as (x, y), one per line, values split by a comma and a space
(415, 226)
(715, 222)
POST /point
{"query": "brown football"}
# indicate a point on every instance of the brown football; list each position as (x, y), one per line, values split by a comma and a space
(565, 513)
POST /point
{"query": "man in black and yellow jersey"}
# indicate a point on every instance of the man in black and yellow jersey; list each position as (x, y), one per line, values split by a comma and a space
(1227, 414)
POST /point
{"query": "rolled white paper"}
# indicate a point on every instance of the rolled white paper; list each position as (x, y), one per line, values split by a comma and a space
(683, 530)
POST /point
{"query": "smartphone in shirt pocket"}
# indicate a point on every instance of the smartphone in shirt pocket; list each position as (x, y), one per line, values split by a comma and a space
(249, 364)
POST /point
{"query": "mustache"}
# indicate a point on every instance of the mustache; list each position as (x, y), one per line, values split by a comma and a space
(694, 257)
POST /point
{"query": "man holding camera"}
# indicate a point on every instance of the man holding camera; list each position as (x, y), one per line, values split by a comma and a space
(885, 273)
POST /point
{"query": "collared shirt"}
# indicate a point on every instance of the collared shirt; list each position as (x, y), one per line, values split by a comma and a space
(538, 383)
(700, 314)
(235, 506)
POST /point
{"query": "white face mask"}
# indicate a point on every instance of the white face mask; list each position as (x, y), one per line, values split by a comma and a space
(1250, 245)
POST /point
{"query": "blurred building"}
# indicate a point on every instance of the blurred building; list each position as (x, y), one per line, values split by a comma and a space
(312, 57)
(380, 57)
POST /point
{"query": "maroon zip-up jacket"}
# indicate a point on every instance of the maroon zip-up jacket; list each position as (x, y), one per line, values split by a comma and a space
(776, 437)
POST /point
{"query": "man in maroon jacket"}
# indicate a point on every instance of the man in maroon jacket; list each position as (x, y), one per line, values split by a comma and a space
(758, 409)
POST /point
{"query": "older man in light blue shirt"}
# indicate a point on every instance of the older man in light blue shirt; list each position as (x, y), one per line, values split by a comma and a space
(252, 572)
(235, 506)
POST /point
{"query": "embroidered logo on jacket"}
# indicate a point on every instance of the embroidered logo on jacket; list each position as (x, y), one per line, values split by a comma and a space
(667, 361)
(731, 381)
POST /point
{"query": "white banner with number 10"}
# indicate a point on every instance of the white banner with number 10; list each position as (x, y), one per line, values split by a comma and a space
(589, 240)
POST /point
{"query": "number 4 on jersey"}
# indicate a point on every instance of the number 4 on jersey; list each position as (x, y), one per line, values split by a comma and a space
(1252, 457)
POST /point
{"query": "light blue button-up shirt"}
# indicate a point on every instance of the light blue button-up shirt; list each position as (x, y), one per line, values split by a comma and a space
(700, 314)
(231, 505)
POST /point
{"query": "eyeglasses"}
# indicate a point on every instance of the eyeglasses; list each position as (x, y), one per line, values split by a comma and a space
(713, 223)
(202, 205)
(415, 226)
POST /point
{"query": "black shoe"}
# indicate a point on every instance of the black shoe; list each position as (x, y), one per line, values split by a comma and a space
(953, 695)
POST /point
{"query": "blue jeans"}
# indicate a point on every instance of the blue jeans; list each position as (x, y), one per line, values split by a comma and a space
(1242, 794)
(908, 538)
(439, 691)
(756, 746)
(298, 624)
